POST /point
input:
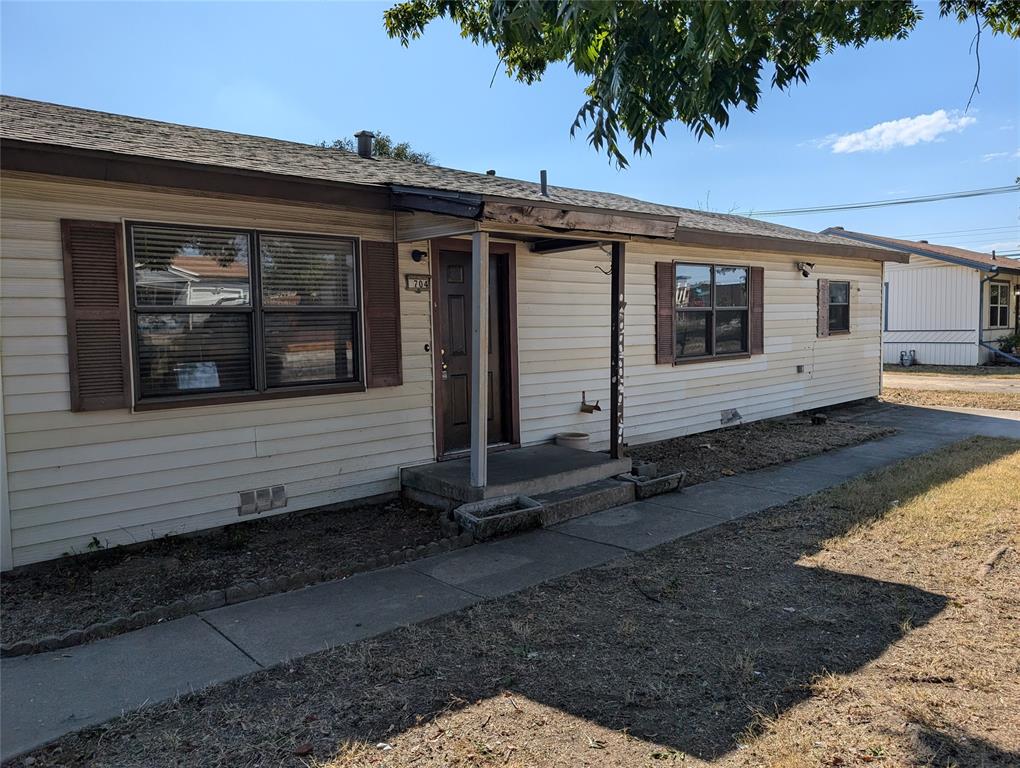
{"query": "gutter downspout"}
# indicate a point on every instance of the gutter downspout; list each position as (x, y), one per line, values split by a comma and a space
(981, 321)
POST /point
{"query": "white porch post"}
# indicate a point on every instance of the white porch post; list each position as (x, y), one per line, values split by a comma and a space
(479, 358)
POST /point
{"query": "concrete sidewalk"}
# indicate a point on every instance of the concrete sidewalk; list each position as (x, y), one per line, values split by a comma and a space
(48, 695)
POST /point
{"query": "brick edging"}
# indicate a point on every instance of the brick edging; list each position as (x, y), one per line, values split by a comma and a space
(237, 593)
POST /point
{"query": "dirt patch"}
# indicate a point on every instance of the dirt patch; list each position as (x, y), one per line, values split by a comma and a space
(985, 371)
(857, 627)
(999, 401)
(54, 597)
(730, 451)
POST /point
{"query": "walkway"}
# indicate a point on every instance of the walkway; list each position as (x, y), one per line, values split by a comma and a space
(48, 695)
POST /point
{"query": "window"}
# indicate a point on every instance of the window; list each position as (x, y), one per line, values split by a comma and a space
(232, 312)
(839, 306)
(711, 311)
(998, 305)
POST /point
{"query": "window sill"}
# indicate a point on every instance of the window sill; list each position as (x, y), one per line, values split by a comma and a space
(711, 358)
(836, 333)
(194, 401)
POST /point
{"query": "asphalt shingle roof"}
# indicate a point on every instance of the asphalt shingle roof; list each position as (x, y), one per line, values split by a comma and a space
(932, 250)
(70, 127)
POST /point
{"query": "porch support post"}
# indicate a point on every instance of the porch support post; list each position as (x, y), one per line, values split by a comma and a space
(479, 358)
(616, 354)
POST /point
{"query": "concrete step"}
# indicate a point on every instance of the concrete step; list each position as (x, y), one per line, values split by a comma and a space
(580, 500)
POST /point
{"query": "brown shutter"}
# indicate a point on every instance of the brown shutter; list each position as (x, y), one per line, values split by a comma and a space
(823, 307)
(664, 290)
(97, 316)
(756, 311)
(382, 314)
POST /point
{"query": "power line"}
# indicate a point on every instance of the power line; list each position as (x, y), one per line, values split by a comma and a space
(956, 233)
(885, 203)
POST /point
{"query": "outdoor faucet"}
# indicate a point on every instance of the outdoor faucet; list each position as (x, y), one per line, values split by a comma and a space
(587, 407)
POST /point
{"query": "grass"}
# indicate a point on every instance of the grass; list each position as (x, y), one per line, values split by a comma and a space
(988, 371)
(873, 624)
(999, 401)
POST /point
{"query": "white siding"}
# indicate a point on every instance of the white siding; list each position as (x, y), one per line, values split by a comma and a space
(934, 309)
(123, 476)
(564, 346)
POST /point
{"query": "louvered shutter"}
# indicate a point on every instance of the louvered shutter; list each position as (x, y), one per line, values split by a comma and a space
(664, 290)
(823, 308)
(97, 330)
(756, 311)
(382, 314)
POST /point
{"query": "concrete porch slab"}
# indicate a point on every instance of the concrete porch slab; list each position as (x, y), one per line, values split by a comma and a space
(528, 471)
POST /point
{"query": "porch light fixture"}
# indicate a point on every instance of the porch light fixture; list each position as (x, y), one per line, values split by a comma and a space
(419, 256)
(805, 268)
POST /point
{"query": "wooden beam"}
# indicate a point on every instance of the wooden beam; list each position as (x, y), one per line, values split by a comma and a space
(564, 219)
(479, 358)
(616, 345)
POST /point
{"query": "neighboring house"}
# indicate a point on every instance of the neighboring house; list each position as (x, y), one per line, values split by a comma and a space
(190, 314)
(947, 304)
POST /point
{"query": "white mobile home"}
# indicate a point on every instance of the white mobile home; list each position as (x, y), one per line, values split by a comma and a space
(191, 315)
(947, 305)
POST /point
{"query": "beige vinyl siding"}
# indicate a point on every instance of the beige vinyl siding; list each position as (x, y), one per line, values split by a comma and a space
(123, 477)
(564, 346)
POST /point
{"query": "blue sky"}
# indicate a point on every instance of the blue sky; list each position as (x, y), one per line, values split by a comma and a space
(308, 72)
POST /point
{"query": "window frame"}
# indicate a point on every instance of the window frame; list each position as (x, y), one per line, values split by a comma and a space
(711, 312)
(849, 317)
(255, 311)
(1001, 284)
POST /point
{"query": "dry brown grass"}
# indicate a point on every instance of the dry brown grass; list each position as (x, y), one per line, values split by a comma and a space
(1000, 401)
(986, 371)
(874, 624)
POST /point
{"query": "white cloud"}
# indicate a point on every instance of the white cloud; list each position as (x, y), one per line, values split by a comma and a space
(1015, 154)
(905, 132)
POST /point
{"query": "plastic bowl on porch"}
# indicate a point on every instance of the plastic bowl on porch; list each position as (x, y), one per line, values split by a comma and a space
(578, 440)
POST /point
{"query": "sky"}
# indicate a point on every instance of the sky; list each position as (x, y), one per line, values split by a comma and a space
(889, 120)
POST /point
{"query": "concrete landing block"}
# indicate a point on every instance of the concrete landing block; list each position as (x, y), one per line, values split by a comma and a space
(49, 694)
(638, 526)
(505, 566)
(293, 624)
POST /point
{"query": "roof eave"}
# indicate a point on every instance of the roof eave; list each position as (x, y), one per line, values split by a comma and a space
(750, 242)
(926, 253)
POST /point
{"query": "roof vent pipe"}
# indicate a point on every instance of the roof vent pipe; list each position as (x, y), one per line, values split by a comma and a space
(490, 172)
(365, 139)
(545, 183)
(923, 241)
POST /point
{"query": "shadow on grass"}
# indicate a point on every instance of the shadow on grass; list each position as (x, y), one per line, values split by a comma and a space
(680, 647)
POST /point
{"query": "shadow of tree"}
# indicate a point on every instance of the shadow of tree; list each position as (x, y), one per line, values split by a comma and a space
(681, 646)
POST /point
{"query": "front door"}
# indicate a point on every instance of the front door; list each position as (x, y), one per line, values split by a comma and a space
(453, 337)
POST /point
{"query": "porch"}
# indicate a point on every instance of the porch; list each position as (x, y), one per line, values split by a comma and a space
(531, 471)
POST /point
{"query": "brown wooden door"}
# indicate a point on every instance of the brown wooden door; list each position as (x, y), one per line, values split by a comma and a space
(453, 318)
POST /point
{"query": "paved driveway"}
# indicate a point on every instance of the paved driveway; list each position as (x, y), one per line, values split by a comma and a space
(946, 382)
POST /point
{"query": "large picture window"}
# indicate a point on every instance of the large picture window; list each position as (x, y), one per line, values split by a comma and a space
(998, 305)
(220, 312)
(711, 311)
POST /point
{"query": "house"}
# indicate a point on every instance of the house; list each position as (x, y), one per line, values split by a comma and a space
(947, 305)
(199, 325)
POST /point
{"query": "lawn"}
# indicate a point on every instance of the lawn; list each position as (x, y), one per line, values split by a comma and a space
(952, 398)
(873, 624)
